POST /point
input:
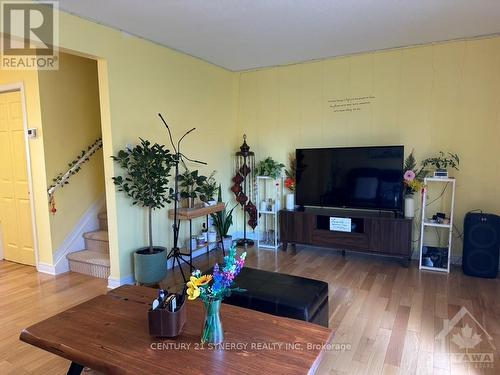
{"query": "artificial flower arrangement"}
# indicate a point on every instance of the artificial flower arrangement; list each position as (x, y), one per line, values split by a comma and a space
(413, 177)
(219, 284)
(290, 183)
(290, 179)
(212, 289)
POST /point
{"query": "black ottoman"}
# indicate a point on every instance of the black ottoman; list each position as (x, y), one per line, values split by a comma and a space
(282, 295)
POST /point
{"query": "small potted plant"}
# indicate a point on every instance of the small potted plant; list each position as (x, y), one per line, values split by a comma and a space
(269, 167)
(222, 221)
(290, 181)
(413, 182)
(147, 168)
(189, 185)
(207, 190)
(442, 162)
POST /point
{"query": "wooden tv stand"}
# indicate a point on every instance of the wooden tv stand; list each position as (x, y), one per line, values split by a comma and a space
(376, 232)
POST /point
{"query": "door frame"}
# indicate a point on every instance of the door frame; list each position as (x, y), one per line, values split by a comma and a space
(13, 87)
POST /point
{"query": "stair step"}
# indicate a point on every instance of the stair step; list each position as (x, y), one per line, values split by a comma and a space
(89, 262)
(103, 220)
(97, 241)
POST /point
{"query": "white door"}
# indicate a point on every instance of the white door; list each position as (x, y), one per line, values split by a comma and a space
(15, 210)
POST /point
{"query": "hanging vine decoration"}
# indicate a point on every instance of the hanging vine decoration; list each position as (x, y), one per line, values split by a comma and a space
(74, 167)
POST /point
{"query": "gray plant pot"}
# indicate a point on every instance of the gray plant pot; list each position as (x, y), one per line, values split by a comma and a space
(150, 268)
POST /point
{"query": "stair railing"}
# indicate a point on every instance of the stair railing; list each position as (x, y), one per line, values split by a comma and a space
(62, 179)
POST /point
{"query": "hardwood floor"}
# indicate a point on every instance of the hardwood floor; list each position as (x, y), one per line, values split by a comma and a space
(387, 316)
(28, 297)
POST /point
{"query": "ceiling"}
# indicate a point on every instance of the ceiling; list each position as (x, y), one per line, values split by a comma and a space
(247, 34)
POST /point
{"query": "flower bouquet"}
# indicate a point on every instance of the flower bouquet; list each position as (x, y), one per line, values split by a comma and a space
(413, 177)
(413, 180)
(290, 181)
(291, 173)
(290, 184)
(212, 289)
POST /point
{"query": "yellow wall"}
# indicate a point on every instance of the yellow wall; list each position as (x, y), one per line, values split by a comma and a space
(32, 98)
(430, 98)
(71, 121)
(144, 79)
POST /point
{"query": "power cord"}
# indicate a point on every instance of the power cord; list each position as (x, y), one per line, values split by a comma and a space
(458, 234)
(438, 197)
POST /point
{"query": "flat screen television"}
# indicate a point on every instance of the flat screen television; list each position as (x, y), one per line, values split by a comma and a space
(351, 177)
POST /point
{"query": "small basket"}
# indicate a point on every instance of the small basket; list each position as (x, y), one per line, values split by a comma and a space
(164, 323)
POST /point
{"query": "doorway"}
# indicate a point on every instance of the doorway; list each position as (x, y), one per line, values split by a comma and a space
(16, 219)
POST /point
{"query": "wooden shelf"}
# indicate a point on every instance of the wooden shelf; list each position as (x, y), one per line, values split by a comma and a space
(437, 269)
(192, 213)
(440, 179)
(438, 225)
(198, 247)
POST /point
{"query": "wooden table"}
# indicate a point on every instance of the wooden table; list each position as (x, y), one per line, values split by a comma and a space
(109, 333)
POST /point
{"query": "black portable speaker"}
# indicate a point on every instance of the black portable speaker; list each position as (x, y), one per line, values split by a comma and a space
(481, 245)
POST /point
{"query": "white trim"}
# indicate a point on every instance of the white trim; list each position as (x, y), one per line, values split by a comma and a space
(46, 268)
(74, 241)
(1, 243)
(19, 86)
(251, 235)
(456, 260)
(255, 235)
(114, 282)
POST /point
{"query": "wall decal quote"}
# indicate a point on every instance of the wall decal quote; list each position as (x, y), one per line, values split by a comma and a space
(350, 104)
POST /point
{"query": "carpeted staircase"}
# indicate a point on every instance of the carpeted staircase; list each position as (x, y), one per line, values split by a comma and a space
(94, 260)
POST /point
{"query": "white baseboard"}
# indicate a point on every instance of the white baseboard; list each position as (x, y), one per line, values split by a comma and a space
(1, 242)
(251, 235)
(74, 241)
(114, 282)
(456, 260)
(49, 269)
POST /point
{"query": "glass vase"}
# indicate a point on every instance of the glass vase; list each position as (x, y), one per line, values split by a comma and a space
(212, 328)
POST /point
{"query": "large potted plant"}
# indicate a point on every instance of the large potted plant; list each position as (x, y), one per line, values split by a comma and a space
(145, 181)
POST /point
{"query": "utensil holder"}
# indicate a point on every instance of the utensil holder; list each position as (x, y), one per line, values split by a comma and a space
(164, 323)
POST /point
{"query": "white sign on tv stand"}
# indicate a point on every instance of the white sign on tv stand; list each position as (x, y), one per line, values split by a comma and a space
(340, 224)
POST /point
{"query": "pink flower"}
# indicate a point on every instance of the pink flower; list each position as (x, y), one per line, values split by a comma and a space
(409, 175)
